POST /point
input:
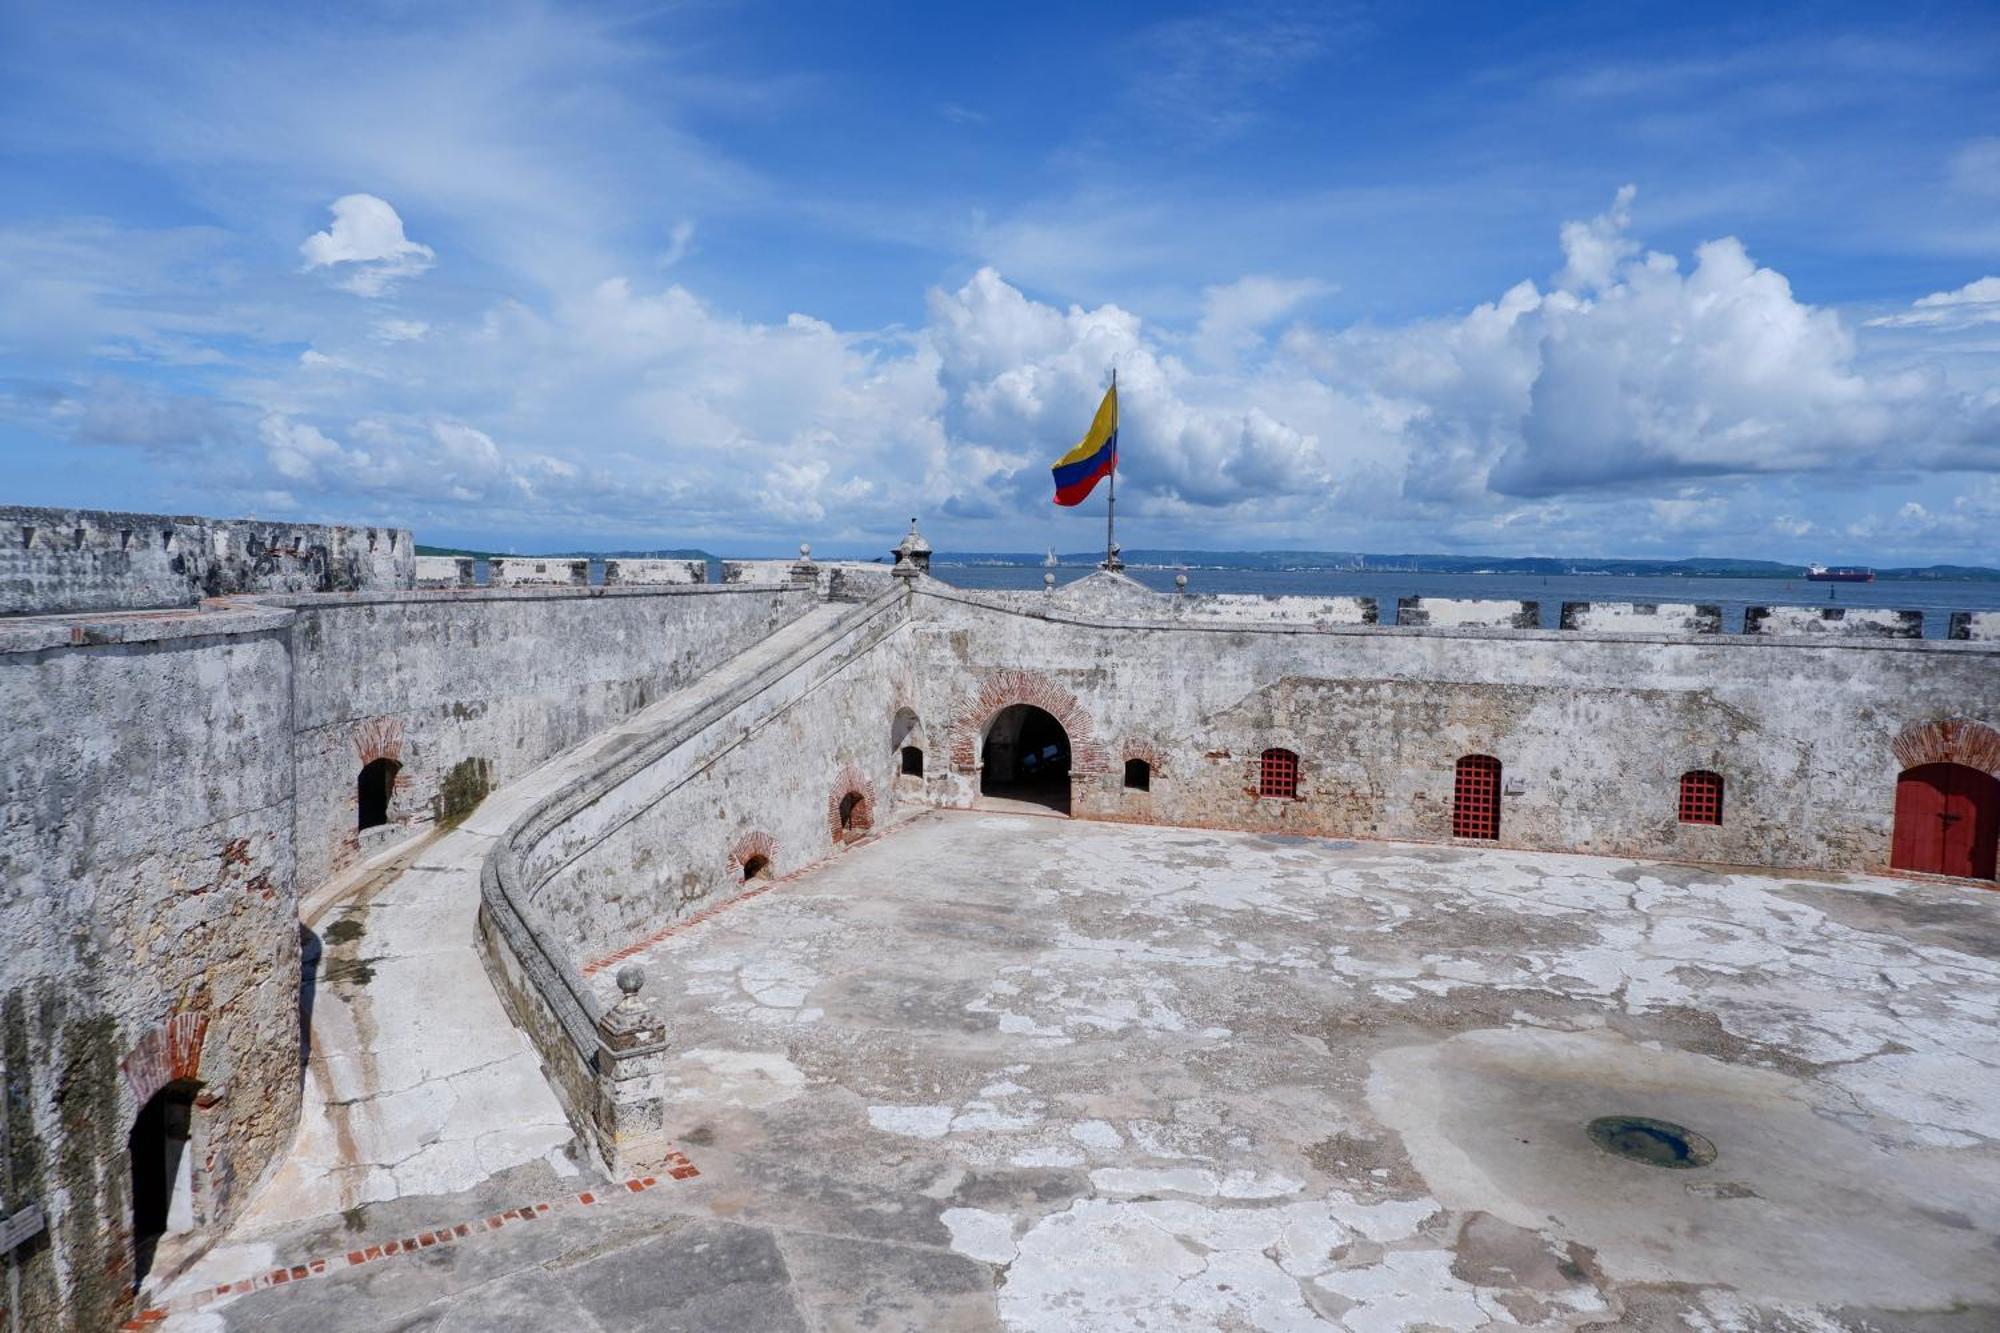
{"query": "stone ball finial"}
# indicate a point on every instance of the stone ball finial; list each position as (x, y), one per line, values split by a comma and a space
(1048, 581)
(631, 979)
(805, 550)
(1180, 583)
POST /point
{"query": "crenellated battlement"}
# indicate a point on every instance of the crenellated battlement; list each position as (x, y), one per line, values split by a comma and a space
(55, 560)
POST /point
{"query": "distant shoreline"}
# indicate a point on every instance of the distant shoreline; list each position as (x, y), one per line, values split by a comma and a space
(1324, 562)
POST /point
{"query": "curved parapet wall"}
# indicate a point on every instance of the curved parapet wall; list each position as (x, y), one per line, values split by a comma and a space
(657, 831)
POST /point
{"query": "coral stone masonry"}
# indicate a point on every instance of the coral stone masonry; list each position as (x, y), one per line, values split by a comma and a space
(830, 947)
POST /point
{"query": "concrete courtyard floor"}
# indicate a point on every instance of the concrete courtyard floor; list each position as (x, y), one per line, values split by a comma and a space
(999, 1071)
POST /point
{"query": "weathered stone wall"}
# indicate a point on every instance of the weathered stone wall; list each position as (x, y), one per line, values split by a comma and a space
(100, 559)
(843, 580)
(150, 925)
(628, 570)
(769, 764)
(1851, 621)
(527, 570)
(1593, 730)
(495, 679)
(767, 772)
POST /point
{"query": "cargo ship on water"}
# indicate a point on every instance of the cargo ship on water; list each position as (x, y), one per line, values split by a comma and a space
(1839, 574)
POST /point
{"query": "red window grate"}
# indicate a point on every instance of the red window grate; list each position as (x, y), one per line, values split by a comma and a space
(1701, 797)
(1278, 775)
(1475, 798)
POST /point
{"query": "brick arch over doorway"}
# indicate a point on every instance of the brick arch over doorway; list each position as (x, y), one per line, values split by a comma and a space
(170, 1053)
(1148, 753)
(848, 821)
(749, 848)
(1002, 689)
(1949, 741)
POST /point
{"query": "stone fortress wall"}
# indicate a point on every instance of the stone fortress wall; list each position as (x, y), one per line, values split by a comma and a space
(55, 560)
(1593, 729)
(180, 780)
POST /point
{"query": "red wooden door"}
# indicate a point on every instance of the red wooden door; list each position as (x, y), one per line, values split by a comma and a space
(1947, 821)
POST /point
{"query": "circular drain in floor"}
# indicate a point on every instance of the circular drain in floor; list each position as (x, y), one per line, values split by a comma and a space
(1654, 1142)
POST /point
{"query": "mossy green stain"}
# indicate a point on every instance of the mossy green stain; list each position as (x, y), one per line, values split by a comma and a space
(93, 1171)
(464, 787)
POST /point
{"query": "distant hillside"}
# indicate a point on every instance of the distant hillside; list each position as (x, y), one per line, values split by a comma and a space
(1378, 562)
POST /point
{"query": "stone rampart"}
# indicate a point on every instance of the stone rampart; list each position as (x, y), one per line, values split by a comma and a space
(1593, 729)
(151, 936)
(54, 560)
(182, 777)
(840, 580)
(1975, 626)
(1466, 613)
(1848, 621)
(631, 571)
(1642, 617)
(520, 571)
(464, 690)
(444, 571)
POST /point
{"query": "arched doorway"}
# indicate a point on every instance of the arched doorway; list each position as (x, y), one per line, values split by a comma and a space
(373, 789)
(1947, 821)
(162, 1172)
(1025, 756)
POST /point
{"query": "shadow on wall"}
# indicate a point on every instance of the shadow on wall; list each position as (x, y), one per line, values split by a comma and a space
(310, 950)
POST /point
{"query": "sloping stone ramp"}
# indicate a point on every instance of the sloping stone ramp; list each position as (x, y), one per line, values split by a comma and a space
(417, 1081)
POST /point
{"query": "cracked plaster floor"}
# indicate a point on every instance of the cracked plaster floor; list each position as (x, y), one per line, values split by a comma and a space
(991, 1071)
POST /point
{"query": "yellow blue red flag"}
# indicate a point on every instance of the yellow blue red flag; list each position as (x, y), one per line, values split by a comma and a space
(1095, 456)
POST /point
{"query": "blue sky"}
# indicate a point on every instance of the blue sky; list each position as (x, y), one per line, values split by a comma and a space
(1597, 279)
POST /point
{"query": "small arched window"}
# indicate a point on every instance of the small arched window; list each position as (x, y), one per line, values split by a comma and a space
(1278, 775)
(373, 789)
(1475, 797)
(853, 816)
(913, 761)
(1138, 775)
(757, 867)
(1701, 797)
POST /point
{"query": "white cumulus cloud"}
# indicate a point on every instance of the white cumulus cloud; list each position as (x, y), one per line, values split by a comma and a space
(367, 235)
(1977, 302)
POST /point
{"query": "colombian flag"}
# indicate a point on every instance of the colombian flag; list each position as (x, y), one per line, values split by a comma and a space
(1078, 471)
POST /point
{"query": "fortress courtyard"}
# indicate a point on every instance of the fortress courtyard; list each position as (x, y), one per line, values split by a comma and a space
(991, 1069)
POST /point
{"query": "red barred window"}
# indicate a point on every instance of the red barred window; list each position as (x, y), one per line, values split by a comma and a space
(1701, 797)
(1475, 798)
(1278, 775)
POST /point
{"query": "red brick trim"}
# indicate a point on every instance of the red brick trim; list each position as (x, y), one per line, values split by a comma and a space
(676, 1166)
(1149, 752)
(379, 738)
(169, 1053)
(1003, 689)
(758, 843)
(851, 782)
(1949, 741)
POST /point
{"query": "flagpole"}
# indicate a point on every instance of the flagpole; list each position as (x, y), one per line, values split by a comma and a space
(1111, 560)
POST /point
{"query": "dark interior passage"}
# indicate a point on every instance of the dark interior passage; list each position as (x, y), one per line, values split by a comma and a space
(1026, 757)
(160, 1166)
(372, 790)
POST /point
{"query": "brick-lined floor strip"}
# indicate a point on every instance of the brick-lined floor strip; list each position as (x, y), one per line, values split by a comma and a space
(675, 1166)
